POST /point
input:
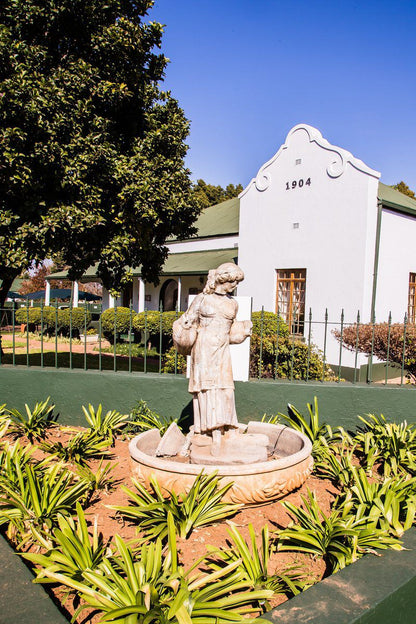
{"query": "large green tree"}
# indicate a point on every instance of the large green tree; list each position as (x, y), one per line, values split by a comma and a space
(403, 188)
(91, 150)
(211, 194)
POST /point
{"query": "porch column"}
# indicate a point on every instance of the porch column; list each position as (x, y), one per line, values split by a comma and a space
(47, 293)
(110, 301)
(75, 295)
(178, 304)
(141, 295)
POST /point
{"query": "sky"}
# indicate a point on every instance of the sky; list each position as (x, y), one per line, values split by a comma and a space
(246, 71)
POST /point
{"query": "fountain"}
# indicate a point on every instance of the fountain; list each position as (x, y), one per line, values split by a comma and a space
(264, 461)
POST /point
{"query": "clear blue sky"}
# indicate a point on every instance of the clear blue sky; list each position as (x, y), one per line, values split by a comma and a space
(247, 71)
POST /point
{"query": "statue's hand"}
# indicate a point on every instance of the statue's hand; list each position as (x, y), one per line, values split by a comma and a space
(248, 325)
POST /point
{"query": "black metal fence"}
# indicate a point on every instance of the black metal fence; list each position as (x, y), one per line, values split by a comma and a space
(119, 339)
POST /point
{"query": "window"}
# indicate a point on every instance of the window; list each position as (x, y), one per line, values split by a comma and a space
(290, 298)
(411, 303)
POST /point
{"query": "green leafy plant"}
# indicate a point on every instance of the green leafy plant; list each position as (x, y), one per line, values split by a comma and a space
(200, 506)
(149, 587)
(69, 549)
(36, 498)
(116, 320)
(99, 478)
(253, 563)
(104, 426)
(35, 422)
(390, 445)
(319, 434)
(339, 538)
(73, 318)
(389, 505)
(173, 362)
(143, 418)
(335, 463)
(79, 449)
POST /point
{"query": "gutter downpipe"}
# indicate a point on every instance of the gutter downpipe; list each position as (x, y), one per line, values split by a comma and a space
(375, 275)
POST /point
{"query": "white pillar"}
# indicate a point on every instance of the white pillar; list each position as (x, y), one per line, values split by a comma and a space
(135, 296)
(75, 295)
(110, 301)
(141, 295)
(48, 293)
(178, 304)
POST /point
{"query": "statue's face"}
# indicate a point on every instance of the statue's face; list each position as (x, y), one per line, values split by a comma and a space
(226, 288)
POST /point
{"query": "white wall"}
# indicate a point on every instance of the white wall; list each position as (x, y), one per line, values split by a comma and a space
(397, 259)
(206, 244)
(334, 240)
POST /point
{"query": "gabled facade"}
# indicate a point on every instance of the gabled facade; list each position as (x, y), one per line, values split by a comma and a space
(314, 232)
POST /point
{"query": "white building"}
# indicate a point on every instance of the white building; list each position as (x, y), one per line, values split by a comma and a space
(315, 231)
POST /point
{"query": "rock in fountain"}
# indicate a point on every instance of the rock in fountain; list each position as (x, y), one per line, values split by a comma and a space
(264, 461)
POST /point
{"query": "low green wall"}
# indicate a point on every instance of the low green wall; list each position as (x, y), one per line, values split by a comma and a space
(339, 404)
(374, 590)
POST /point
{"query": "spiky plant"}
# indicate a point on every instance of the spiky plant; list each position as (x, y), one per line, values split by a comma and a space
(104, 426)
(254, 562)
(319, 434)
(200, 506)
(79, 449)
(35, 422)
(142, 418)
(150, 587)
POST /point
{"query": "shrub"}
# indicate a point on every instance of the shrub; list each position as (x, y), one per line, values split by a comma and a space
(142, 418)
(35, 422)
(78, 319)
(168, 363)
(153, 322)
(269, 324)
(118, 319)
(382, 342)
(288, 348)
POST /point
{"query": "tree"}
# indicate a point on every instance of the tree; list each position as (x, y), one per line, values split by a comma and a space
(209, 195)
(381, 339)
(403, 188)
(92, 151)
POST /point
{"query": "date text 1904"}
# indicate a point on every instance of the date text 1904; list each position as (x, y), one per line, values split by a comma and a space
(297, 184)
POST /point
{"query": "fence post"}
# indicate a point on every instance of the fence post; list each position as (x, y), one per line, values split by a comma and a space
(85, 336)
(14, 332)
(130, 332)
(388, 348)
(261, 342)
(115, 337)
(325, 337)
(56, 333)
(160, 335)
(70, 332)
(370, 363)
(176, 351)
(145, 342)
(404, 348)
(340, 344)
(357, 335)
(100, 327)
(41, 333)
(27, 332)
(276, 363)
(308, 361)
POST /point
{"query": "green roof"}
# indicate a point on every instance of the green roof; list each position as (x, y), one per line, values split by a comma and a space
(219, 220)
(391, 198)
(190, 263)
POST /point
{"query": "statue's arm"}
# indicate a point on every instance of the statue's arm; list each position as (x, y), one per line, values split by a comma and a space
(191, 316)
(240, 330)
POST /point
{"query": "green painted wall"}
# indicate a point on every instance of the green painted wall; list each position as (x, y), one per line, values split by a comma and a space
(339, 404)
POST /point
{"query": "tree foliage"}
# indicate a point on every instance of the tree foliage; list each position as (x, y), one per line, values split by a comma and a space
(209, 194)
(403, 188)
(92, 151)
(384, 339)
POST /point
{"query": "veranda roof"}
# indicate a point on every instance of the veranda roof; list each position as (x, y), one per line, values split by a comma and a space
(190, 263)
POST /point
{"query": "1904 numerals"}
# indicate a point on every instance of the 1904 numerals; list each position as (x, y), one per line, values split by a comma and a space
(297, 184)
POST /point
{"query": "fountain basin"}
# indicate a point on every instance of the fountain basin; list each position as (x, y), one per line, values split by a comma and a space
(289, 465)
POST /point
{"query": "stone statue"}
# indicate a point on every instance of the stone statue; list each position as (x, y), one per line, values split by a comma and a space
(205, 331)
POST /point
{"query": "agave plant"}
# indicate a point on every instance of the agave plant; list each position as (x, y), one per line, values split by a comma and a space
(202, 505)
(104, 426)
(319, 434)
(391, 445)
(79, 449)
(149, 586)
(36, 498)
(254, 563)
(340, 538)
(13, 458)
(388, 505)
(69, 549)
(99, 479)
(335, 463)
(143, 418)
(35, 422)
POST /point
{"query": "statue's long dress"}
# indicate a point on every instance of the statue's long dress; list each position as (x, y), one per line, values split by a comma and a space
(211, 376)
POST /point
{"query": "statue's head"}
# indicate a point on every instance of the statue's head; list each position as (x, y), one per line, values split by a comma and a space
(227, 272)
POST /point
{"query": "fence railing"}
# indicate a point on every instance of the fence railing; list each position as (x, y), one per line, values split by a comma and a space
(119, 339)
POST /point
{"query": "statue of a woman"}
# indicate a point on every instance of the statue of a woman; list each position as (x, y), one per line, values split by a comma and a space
(210, 325)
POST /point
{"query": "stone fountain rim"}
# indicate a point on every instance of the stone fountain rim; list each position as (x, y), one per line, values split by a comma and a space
(222, 469)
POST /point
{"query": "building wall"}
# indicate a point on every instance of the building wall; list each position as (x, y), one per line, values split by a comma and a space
(333, 239)
(397, 259)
